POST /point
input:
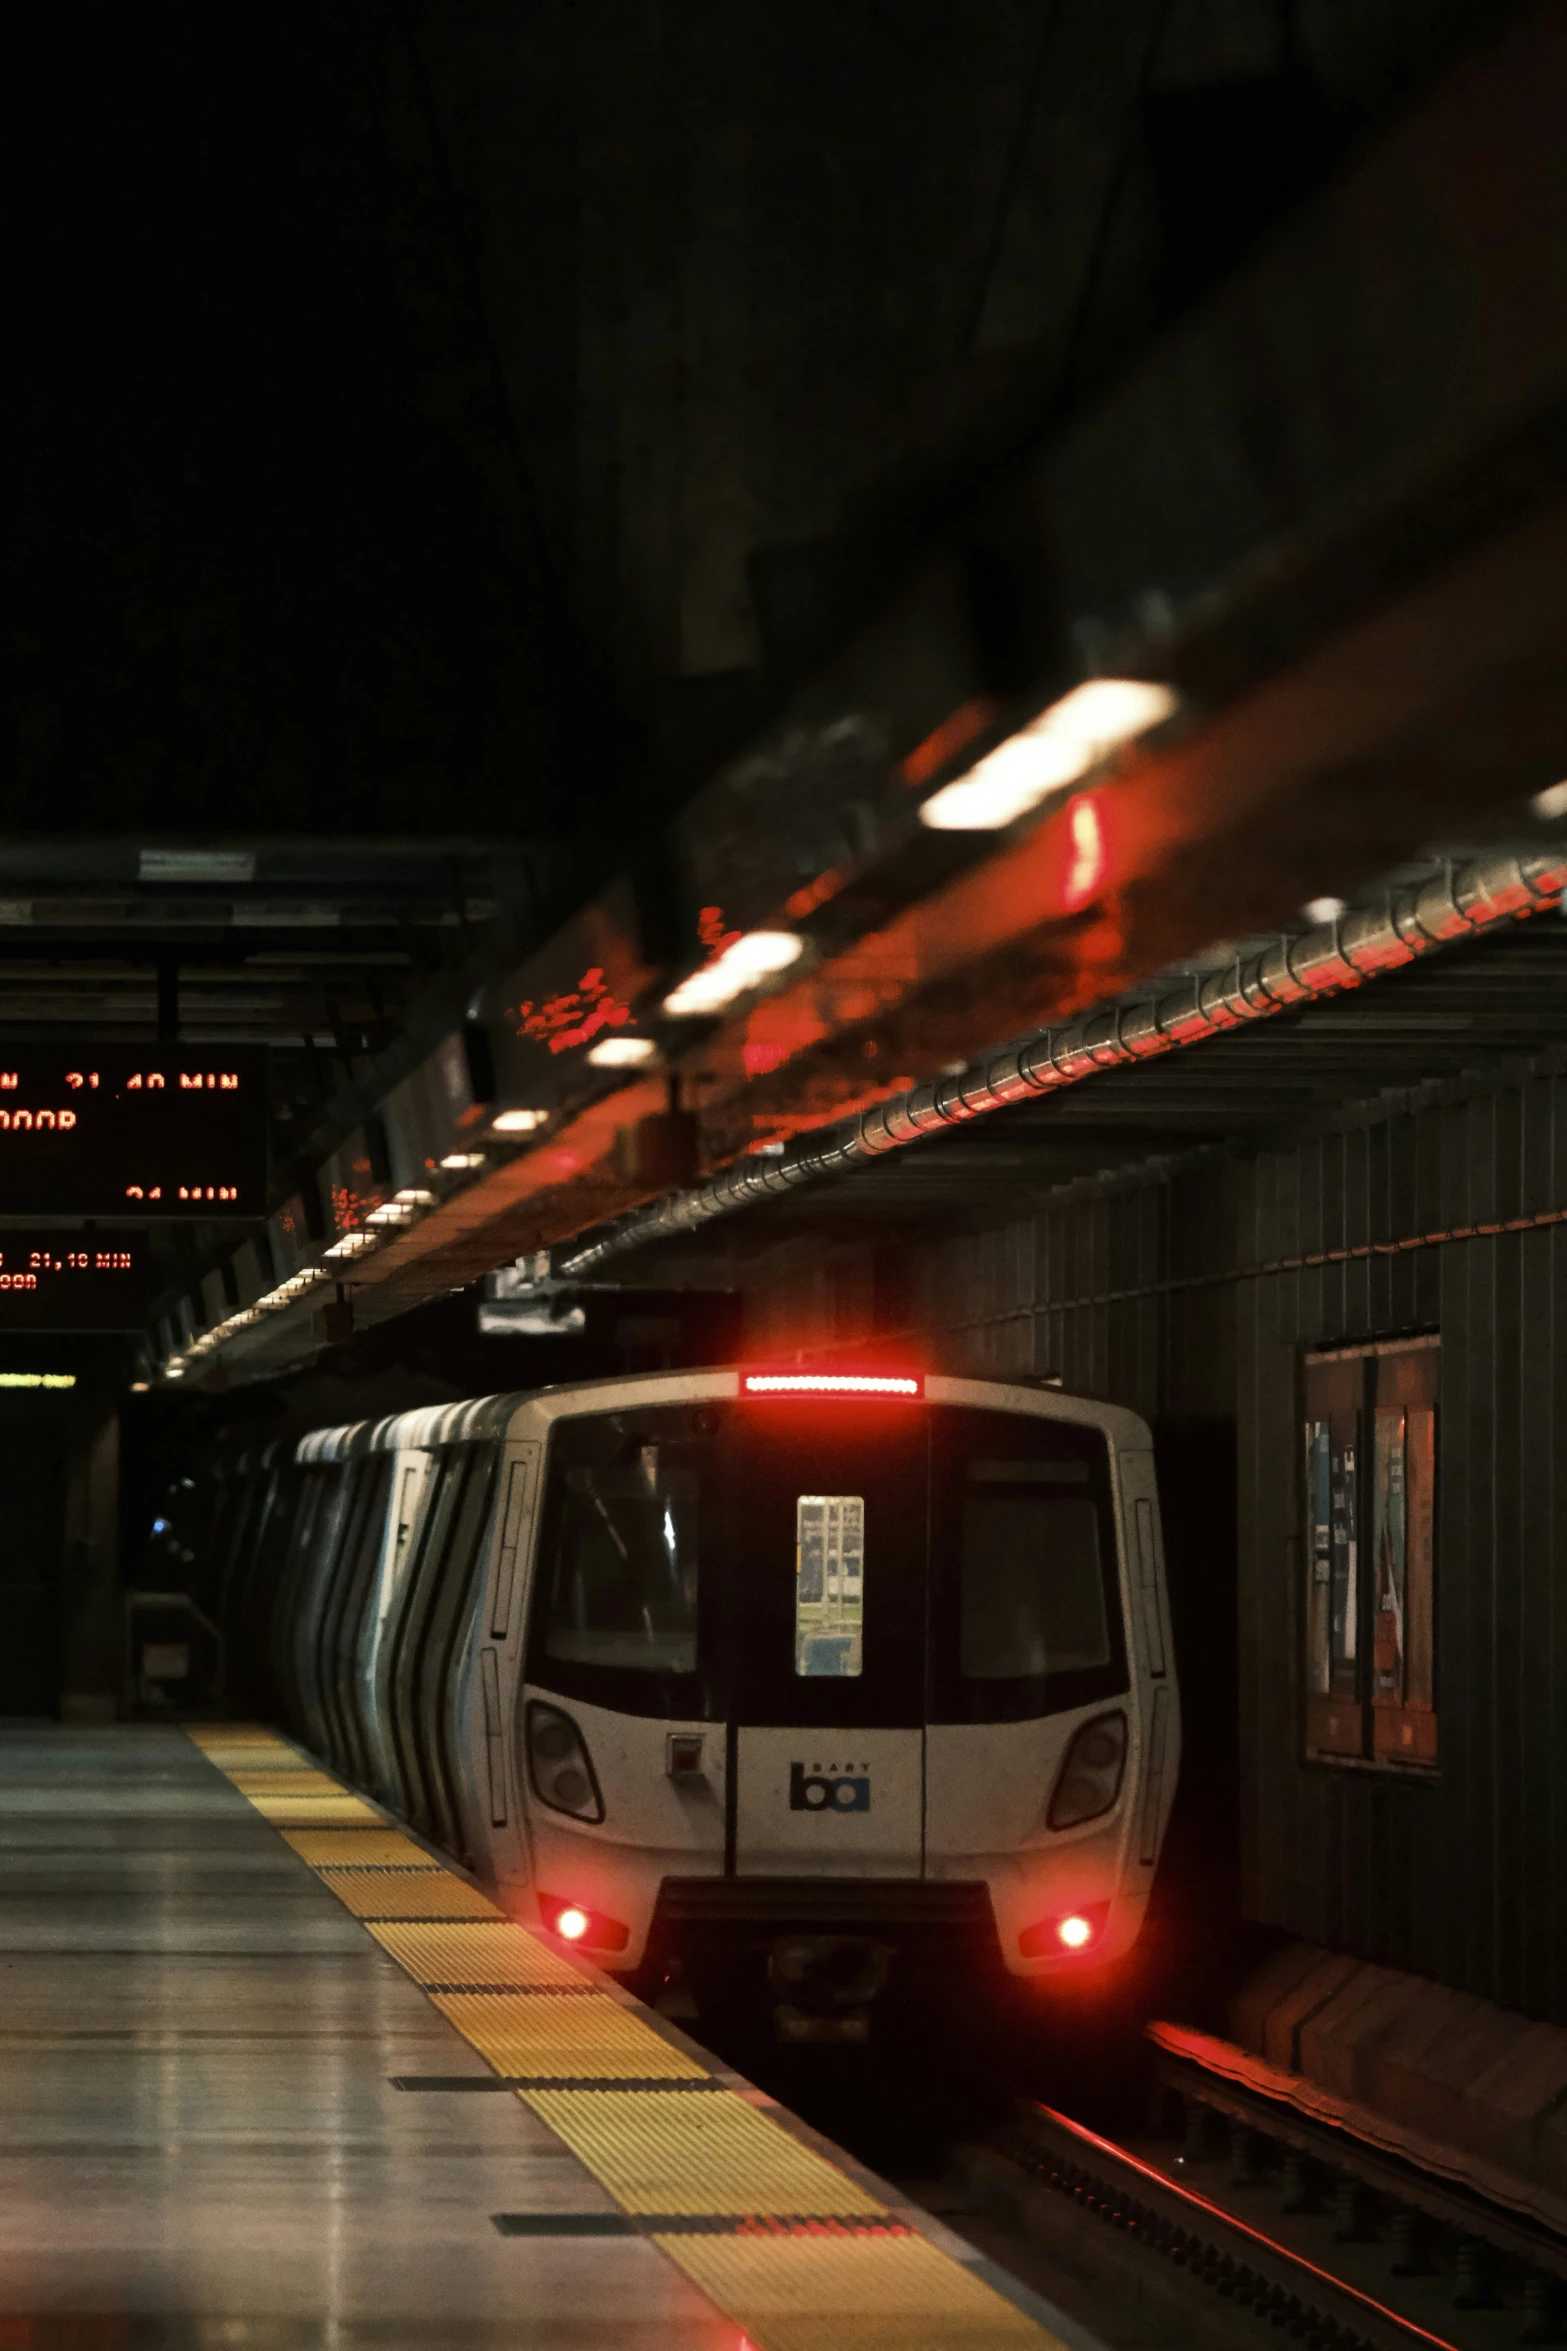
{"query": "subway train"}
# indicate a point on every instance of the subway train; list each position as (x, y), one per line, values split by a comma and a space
(806, 1676)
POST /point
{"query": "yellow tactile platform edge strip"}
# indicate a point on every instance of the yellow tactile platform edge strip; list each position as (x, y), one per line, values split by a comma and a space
(660, 2144)
(496, 1952)
(375, 1848)
(404, 1893)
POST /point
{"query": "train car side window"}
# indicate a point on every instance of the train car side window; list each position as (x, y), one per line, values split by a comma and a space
(623, 1590)
(1368, 1544)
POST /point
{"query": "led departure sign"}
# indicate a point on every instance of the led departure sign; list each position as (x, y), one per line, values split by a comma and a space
(116, 1130)
(65, 1280)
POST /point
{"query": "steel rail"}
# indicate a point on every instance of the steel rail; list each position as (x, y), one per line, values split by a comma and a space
(1451, 2202)
(1246, 2270)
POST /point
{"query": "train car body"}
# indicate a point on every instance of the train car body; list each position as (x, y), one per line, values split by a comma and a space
(828, 1663)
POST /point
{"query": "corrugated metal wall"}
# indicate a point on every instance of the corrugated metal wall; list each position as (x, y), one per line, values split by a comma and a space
(1167, 1293)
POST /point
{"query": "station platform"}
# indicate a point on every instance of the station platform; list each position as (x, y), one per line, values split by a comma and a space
(247, 2028)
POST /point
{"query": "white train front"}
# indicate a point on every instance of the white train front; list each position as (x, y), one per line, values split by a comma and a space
(822, 1667)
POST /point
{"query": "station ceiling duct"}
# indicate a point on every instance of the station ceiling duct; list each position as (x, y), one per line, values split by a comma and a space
(1454, 901)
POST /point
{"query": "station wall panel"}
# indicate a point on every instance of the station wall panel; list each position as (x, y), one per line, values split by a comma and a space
(1192, 1294)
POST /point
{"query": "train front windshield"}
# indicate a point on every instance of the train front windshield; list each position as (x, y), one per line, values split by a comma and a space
(626, 1561)
(828, 1561)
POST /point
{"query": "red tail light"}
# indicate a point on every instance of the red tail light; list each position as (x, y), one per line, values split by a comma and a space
(584, 1929)
(1071, 1934)
(831, 1383)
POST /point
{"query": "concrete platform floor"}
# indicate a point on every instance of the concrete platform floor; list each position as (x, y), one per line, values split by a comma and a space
(199, 2140)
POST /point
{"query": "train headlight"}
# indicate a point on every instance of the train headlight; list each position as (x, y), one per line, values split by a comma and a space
(559, 1764)
(1089, 1780)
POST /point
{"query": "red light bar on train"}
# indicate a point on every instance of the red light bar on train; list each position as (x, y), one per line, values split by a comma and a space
(831, 1383)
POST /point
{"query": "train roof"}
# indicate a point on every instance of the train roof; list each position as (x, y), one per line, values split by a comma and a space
(423, 1430)
(434, 1426)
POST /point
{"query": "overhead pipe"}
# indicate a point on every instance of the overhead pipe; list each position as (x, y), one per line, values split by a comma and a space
(1455, 900)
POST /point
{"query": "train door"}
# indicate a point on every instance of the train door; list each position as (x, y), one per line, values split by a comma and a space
(306, 1720)
(355, 1567)
(424, 1636)
(450, 1616)
(405, 1637)
(825, 1638)
(411, 1473)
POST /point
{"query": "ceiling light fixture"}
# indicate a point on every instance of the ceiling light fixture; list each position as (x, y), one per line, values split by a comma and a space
(1050, 754)
(460, 1162)
(351, 1245)
(295, 1287)
(757, 956)
(517, 1122)
(1551, 803)
(622, 1052)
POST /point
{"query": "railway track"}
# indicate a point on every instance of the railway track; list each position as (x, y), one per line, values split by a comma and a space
(1261, 2240)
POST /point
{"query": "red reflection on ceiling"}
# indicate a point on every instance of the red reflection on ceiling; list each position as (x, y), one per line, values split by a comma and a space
(805, 901)
(948, 741)
(1049, 876)
(1089, 853)
(1009, 942)
(573, 1017)
(713, 932)
(774, 1031)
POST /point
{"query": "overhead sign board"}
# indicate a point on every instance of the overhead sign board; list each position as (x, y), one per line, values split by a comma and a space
(64, 1280)
(115, 1130)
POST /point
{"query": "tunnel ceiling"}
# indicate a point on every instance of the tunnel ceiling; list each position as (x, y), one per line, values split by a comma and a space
(430, 415)
(446, 440)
